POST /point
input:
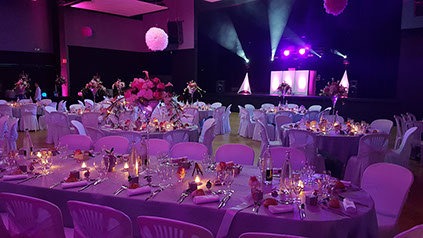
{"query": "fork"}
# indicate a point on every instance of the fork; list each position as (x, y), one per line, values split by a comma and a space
(183, 196)
(123, 187)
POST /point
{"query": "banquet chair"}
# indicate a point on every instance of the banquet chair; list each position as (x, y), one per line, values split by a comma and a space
(81, 103)
(78, 127)
(237, 153)
(43, 120)
(285, 113)
(399, 124)
(6, 110)
(264, 137)
(311, 116)
(12, 134)
(266, 235)
(266, 106)
(401, 156)
(3, 127)
(94, 133)
(75, 107)
(53, 104)
(191, 150)
(388, 185)
(199, 104)
(324, 113)
(193, 111)
(33, 217)
(216, 105)
(3, 102)
(306, 142)
(119, 144)
(226, 121)
(292, 105)
(46, 120)
(207, 134)
(415, 232)
(159, 227)
(246, 125)
(89, 104)
(90, 119)
(62, 106)
(315, 108)
(25, 101)
(334, 118)
(280, 121)
(29, 117)
(92, 220)
(218, 115)
(383, 125)
(58, 124)
(372, 149)
(250, 108)
(297, 157)
(45, 102)
(156, 147)
(411, 116)
(261, 116)
(76, 142)
(176, 136)
(132, 136)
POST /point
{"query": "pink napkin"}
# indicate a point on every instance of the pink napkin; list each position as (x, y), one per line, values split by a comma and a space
(275, 209)
(75, 184)
(206, 199)
(349, 206)
(141, 190)
(346, 183)
(14, 177)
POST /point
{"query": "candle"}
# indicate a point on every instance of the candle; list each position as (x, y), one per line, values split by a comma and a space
(126, 166)
(84, 165)
(39, 154)
(197, 179)
(136, 168)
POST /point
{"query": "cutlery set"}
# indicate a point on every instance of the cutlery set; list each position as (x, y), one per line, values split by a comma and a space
(256, 206)
(224, 201)
(301, 210)
(155, 193)
(92, 184)
(184, 195)
(30, 178)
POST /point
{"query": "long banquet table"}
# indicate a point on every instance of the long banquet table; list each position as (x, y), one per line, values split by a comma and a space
(318, 223)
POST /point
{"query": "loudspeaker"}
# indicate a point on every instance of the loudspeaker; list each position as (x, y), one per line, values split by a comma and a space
(174, 30)
(352, 91)
(220, 86)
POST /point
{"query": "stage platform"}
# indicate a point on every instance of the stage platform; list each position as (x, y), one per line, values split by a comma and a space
(356, 108)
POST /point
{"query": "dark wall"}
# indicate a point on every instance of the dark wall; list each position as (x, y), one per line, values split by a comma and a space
(177, 67)
(367, 31)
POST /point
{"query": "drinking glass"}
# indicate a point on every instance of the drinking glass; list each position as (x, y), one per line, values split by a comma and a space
(229, 178)
(62, 150)
(296, 187)
(46, 162)
(100, 167)
(288, 187)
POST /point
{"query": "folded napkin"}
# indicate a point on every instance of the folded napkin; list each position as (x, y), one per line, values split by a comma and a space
(349, 206)
(275, 209)
(206, 199)
(75, 184)
(177, 159)
(141, 190)
(346, 183)
(14, 177)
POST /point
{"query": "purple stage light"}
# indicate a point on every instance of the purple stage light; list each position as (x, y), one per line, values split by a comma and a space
(286, 52)
(302, 51)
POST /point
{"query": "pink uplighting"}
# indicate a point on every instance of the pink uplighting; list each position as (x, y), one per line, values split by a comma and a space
(275, 81)
(286, 52)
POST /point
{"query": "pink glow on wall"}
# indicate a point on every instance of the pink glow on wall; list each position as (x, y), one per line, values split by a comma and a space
(312, 83)
(275, 81)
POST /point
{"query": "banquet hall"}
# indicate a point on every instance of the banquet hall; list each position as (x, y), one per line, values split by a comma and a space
(211, 118)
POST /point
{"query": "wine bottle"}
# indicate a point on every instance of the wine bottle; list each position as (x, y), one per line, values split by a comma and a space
(267, 167)
(286, 170)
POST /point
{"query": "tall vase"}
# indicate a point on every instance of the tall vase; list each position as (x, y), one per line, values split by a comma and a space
(334, 100)
(147, 109)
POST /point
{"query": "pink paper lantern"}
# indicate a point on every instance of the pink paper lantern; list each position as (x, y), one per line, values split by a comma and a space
(335, 7)
(87, 31)
(156, 39)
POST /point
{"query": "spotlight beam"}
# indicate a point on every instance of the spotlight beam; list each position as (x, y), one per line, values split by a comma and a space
(278, 13)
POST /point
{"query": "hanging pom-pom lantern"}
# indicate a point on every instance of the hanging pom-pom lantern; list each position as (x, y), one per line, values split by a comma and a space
(335, 7)
(156, 39)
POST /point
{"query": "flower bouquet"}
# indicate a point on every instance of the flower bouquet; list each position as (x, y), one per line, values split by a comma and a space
(334, 90)
(192, 87)
(284, 89)
(119, 85)
(60, 80)
(22, 85)
(94, 86)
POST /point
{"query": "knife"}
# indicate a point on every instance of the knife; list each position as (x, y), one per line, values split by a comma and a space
(227, 199)
(57, 184)
(154, 193)
(92, 184)
(30, 178)
(258, 207)
(222, 202)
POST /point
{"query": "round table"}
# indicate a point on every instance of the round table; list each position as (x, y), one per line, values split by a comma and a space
(203, 114)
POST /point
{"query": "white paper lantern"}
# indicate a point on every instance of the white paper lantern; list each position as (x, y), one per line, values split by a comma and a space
(156, 39)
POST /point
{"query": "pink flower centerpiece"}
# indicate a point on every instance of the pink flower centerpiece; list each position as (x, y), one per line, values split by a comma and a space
(334, 90)
(119, 85)
(23, 81)
(192, 87)
(284, 89)
(94, 86)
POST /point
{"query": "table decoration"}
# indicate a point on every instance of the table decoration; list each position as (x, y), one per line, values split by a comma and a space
(94, 87)
(180, 173)
(334, 90)
(192, 87)
(22, 85)
(284, 89)
(118, 85)
(60, 80)
(109, 160)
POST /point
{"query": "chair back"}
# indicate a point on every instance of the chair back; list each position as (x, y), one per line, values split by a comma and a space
(382, 125)
(76, 142)
(12, 134)
(191, 150)
(94, 133)
(400, 124)
(266, 106)
(3, 126)
(237, 153)
(311, 116)
(92, 220)
(32, 217)
(207, 134)
(411, 116)
(119, 144)
(218, 116)
(62, 106)
(264, 137)
(176, 136)
(250, 108)
(89, 104)
(388, 185)
(79, 127)
(292, 105)
(216, 105)
(195, 114)
(259, 115)
(300, 138)
(132, 136)
(280, 121)
(315, 108)
(81, 103)
(324, 112)
(90, 119)
(3, 102)
(158, 227)
(6, 110)
(53, 104)
(45, 102)
(157, 147)
(404, 149)
(49, 109)
(334, 118)
(25, 101)
(285, 113)
(29, 109)
(58, 125)
(75, 107)
(297, 157)
(414, 232)
(266, 235)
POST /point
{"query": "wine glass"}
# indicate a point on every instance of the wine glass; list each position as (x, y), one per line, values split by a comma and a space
(100, 167)
(46, 162)
(229, 178)
(288, 187)
(296, 187)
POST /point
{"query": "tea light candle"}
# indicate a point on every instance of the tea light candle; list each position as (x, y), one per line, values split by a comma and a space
(84, 166)
(136, 168)
(125, 167)
(197, 179)
(39, 154)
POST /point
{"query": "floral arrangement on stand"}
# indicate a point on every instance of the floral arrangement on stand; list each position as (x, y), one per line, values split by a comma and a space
(334, 90)
(192, 87)
(94, 86)
(60, 80)
(23, 81)
(284, 89)
(119, 85)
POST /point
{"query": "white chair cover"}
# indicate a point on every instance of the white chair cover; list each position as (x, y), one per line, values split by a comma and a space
(297, 157)
(371, 150)
(44, 102)
(264, 137)
(3, 101)
(191, 150)
(250, 108)
(47, 111)
(75, 107)
(246, 126)
(81, 103)
(216, 105)
(78, 127)
(94, 133)
(89, 104)
(76, 142)
(226, 121)
(53, 104)
(207, 134)
(382, 125)
(119, 144)
(411, 116)
(280, 121)
(29, 117)
(3, 126)
(218, 115)
(388, 185)
(311, 116)
(176, 136)
(6, 110)
(237, 153)
(266, 106)
(400, 124)
(59, 125)
(43, 120)
(25, 101)
(259, 115)
(414, 232)
(90, 119)
(292, 105)
(193, 111)
(285, 113)
(12, 135)
(334, 118)
(315, 108)
(132, 136)
(401, 156)
(62, 106)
